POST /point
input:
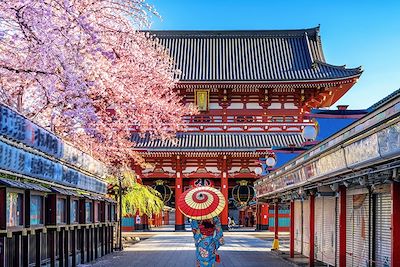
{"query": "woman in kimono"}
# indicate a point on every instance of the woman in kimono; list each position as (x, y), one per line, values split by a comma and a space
(208, 238)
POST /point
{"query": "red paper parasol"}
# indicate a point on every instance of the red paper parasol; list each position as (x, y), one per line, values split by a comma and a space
(201, 203)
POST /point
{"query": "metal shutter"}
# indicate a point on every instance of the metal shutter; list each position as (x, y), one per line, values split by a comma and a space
(383, 229)
(329, 238)
(298, 221)
(306, 228)
(319, 230)
(357, 229)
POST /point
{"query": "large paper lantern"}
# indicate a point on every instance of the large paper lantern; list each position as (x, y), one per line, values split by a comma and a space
(243, 193)
(164, 190)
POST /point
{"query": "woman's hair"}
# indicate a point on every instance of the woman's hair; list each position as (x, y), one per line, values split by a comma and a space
(207, 224)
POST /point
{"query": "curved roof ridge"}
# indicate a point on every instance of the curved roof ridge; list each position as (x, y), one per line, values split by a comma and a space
(343, 67)
(215, 33)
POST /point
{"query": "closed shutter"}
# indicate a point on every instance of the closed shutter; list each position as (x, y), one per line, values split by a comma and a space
(329, 238)
(383, 229)
(357, 229)
(319, 231)
(298, 226)
(306, 228)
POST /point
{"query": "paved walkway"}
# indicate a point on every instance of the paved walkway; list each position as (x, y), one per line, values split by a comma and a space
(177, 250)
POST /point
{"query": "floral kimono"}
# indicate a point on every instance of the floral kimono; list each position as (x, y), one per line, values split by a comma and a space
(207, 243)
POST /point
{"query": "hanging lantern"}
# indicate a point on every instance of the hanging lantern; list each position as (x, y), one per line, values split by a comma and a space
(164, 190)
(243, 193)
(309, 133)
(258, 170)
(270, 161)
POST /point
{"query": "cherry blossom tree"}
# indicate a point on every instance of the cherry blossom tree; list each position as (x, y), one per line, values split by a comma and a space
(82, 68)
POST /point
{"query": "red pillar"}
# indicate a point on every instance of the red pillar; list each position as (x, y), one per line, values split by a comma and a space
(276, 220)
(166, 217)
(312, 229)
(292, 229)
(179, 223)
(275, 243)
(224, 191)
(342, 226)
(395, 224)
(263, 217)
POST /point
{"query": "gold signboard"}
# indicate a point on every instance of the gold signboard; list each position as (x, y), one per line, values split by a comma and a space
(202, 99)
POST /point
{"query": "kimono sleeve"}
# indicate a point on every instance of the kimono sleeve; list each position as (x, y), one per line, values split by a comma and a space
(218, 237)
(196, 231)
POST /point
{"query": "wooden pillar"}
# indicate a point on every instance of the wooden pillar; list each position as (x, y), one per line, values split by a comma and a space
(112, 238)
(291, 252)
(38, 236)
(91, 244)
(3, 251)
(73, 247)
(106, 240)
(66, 247)
(102, 240)
(25, 247)
(224, 191)
(179, 221)
(342, 226)
(17, 250)
(395, 224)
(312, 230)
(51, 245)
(81, 243)
(61, 248)
(96, 242)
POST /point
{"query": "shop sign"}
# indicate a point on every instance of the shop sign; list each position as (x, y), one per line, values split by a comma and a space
(19, 161)
(17, 128)
(389, 140)
(330, 163)
(363, 150)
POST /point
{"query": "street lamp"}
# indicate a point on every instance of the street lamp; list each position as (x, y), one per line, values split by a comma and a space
(120, 211)
(270, 161)
(309, 133)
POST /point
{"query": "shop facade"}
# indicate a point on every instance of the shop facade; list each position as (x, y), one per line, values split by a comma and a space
(344, 193)
(54, 210)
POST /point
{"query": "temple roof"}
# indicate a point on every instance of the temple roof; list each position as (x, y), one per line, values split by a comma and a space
(220, 142)
(261, 55)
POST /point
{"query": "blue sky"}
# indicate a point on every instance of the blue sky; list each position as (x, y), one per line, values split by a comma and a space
(354, 33)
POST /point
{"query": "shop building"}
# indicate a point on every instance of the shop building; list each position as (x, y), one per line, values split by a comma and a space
(344, 192)
(54, 210)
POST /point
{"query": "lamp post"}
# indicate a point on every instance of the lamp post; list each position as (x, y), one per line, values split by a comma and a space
(120, 212)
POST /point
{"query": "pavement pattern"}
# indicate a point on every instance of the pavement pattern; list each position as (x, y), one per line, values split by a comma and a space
(177, 250)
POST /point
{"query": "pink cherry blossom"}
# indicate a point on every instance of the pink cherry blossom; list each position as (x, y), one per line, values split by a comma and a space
(82, 68)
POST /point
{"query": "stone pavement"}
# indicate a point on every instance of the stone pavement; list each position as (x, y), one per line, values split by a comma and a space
(171, 249)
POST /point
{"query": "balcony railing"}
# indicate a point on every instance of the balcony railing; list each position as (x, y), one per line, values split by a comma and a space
(242, 119)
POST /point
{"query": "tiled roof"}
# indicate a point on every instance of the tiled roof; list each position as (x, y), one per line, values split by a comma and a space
(275, 55)
(384, 100)
(23, 185)
(220, 142)
(63, 191)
